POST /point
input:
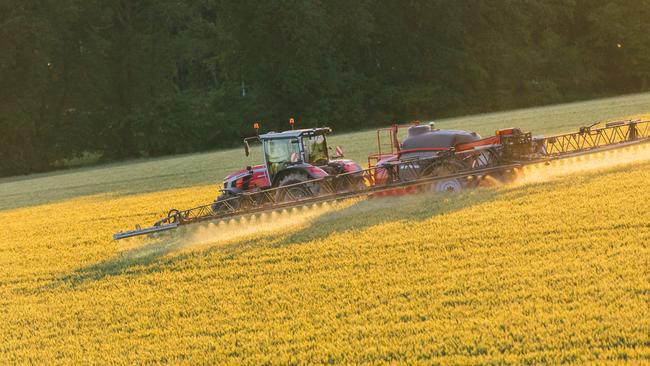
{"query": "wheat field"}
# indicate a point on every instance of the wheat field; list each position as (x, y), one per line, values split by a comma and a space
(553, 269)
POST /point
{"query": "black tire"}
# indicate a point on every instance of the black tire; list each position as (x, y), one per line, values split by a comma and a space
(219, 206)
(451, 185)
(297, 192)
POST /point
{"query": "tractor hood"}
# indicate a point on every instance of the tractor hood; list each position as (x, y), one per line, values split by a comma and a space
(243, 172)
(249, 178)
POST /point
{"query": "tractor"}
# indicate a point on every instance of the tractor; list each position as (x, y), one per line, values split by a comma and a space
(289, 157)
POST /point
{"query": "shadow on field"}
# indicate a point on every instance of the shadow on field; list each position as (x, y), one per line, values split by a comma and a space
(132, 258)
(123, 264)
(149, 258)
(378, 211)
(154, 256)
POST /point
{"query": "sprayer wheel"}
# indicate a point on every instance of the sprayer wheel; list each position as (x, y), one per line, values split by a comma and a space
(448, 185)
(451, 185)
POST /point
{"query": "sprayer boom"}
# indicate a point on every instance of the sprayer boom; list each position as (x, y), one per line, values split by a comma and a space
(444, 170)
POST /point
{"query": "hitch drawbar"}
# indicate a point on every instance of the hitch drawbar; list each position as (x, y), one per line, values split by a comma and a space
(147, 230)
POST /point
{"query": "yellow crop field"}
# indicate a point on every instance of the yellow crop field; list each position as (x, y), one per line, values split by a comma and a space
(553, 269)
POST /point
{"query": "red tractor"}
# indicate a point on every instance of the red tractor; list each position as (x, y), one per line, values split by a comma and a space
(290, 157)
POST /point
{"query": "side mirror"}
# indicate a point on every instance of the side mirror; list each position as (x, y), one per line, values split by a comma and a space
(339, 152)
(247, 149)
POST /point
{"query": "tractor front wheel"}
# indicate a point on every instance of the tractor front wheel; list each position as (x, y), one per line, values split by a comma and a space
(220, 206)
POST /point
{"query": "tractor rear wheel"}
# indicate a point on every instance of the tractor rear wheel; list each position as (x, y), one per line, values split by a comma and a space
(297, 192)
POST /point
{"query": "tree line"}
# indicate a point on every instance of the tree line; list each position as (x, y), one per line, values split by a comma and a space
(128, 78)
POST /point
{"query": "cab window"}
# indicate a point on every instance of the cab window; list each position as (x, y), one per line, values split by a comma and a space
(315, 149)
(280, 152)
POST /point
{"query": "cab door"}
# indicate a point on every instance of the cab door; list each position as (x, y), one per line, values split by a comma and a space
(280, 153)
(315, 150)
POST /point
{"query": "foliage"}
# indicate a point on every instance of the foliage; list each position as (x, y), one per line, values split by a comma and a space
(146, 78)
(151, 175)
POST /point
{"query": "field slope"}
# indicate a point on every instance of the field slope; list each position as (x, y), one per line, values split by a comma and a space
(554, 269)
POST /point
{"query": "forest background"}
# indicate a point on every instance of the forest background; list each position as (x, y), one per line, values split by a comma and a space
(118, 79)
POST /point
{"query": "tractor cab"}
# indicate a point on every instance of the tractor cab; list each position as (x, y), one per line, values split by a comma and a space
(282, 150)
(289, 156)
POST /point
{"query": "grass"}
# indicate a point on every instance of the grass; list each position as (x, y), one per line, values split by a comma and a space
(555, 269)
(152, 175)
